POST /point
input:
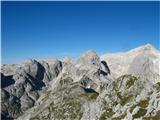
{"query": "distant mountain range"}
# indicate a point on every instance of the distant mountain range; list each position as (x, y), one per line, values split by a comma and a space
(142, 61)
(113, 86)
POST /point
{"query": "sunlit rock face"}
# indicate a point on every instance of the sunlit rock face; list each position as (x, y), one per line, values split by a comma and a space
(22, 84)
(143, 62)
(113, 86)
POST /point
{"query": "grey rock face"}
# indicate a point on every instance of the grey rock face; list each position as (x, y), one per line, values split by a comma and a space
(90, 58)
(143, 61)
(144, 67)
(123, 98)
(86, 89)
(23, 84)
(75, 95)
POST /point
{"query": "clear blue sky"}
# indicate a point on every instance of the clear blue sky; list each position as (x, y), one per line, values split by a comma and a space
(54, 29)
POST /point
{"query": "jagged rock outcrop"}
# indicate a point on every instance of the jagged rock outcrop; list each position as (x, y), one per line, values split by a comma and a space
(74, 91)
(120, 86)
(23, 84)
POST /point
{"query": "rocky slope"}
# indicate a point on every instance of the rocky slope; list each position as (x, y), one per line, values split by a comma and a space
(143, 62)
(128, 88)
(22, 84)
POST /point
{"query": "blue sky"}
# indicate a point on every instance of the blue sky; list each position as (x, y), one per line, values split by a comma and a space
(55, 29)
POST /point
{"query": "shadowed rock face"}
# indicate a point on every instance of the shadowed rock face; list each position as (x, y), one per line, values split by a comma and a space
(85, 89)
(104, 68)
(6, 80)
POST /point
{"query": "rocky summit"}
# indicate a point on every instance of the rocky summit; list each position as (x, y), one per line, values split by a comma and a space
(117, 86)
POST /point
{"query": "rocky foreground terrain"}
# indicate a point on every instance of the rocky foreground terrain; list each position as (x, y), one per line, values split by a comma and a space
(118, 86)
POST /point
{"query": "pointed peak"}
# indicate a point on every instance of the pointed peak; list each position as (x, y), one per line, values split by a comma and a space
(90, 55)
(146, 47)
(30, 61)
(88, 58)
(67, 59)
(90, 52)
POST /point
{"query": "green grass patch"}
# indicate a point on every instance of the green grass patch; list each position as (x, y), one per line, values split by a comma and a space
(130, 81)
(124, 99)
(140, 113)
(157, 85)
(143, 103)
(66, 81)
(132, 108)
(89, 96)
(107, 114)
(156, 117)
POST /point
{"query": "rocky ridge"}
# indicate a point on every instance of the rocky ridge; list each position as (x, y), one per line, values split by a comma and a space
(23, 84)
(85, 89)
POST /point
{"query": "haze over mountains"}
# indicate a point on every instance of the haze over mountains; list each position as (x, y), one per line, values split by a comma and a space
(127, 87)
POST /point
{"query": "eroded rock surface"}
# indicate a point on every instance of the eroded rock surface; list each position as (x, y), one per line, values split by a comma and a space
(87, 89)
(23, 84)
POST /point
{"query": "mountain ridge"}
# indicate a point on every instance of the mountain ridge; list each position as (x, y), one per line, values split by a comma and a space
(123, 86)
(123, 61)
